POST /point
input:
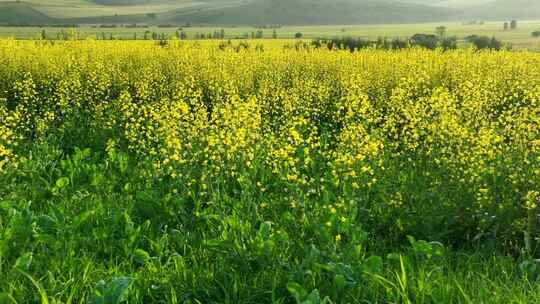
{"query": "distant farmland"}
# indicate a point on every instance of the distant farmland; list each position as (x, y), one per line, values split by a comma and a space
(519, 38)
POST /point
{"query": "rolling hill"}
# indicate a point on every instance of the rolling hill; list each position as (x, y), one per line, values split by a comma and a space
(251, 12)
(503, 9)
(306, 12)
(121, 2)
(21, 13)
(488, 9)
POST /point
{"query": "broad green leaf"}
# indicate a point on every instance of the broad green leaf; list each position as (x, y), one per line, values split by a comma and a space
(313, 298)
(373, 264)
(141, 257)
(24, 262)
(297, 291)
(339, 281)
(112, 292)
(62, 182)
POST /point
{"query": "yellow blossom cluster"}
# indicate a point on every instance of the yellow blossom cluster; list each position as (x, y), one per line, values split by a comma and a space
(408, 132)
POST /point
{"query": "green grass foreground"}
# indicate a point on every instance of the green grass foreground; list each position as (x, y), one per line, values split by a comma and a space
(124, 236)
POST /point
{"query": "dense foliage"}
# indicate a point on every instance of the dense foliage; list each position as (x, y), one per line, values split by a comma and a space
(190, 172)
(352, 44)
(484, 42)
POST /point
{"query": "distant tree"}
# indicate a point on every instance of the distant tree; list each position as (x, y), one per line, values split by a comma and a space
(496, 44)
(480, 42)
(513, 24)
(317, 43)
(506, 26)
(536, 34)
(427, 41)
(151, 15)
(222, 34)
(484, 42)
(441, 31)
(382, 43)
(347, 43)
(298, 35)
(43, 35)
(163, 42)
(398, 44)
(274, 34)
(183, 35)
(449, 43)
(146, 33)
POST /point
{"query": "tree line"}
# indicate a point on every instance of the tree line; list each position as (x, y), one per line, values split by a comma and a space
(427, 41)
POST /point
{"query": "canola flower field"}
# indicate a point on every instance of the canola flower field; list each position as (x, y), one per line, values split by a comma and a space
(198, 172)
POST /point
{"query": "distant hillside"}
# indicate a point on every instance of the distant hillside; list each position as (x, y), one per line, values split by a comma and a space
(454, 3)
(305, 12)
(252, 12)
(21, 13)
(121, 2)
(506, 9)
